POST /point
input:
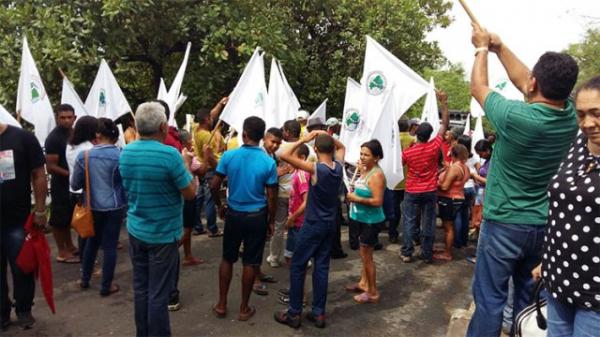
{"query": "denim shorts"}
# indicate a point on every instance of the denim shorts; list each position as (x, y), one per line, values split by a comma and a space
(290, 243)
(448, 208)
(368, 232)
(249, 228)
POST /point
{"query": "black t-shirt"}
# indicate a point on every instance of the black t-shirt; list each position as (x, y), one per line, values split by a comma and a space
(20, 153)
(56, 144)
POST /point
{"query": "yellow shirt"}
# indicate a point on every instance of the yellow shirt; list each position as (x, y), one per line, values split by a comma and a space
(201, 138)
(406, 140)
(233, 143)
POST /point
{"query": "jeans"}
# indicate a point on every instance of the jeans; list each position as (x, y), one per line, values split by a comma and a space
(336, 240)
(504, 250)
(565, 320)
(154, 267)
(107, 226)
(398, 197)
(462, 220)
(313, 241)
(412, 203)
(12, 236)
(276, 244)
(507, 312)
(204, 198)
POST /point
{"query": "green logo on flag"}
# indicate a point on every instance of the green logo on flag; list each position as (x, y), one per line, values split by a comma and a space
(102, 99)
(259, 99)
(36, 94)
(500, 86)
(353, 120)
(376, 83)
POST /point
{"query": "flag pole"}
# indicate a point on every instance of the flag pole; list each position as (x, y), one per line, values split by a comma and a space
(212, 133)
(469, 12)
(62, 73)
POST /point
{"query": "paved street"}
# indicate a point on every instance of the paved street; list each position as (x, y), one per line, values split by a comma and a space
(416, 299)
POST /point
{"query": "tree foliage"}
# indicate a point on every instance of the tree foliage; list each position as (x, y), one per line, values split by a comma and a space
(587, 54)
(319, 43)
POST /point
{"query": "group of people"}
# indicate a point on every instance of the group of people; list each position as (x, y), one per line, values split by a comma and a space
(534, 195)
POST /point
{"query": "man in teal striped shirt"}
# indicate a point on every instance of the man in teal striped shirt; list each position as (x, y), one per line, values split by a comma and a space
(155, 179)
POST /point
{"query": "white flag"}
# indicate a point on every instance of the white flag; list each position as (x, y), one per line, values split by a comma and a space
(477, 136)
(162, 90)
(430, 110)
(281, 104)
(318, 117)
(248, 97)
(354, 129)
(475, 108)
(105, 98)
(33, 103)
(7, 118)
(174, 95)
(386, 131)
(505, 88)
(70, 96)
(467, 131)
(384, 70)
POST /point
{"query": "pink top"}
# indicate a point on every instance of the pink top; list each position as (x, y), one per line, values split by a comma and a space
(456, 190)
(300, 185)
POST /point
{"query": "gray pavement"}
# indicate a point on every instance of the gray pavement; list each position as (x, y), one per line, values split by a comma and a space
(416, 299)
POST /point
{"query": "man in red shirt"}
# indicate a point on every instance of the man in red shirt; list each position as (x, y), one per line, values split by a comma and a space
(421, 184)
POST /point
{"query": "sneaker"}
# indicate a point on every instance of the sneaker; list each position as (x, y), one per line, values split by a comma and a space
(25, 320)
(174, 304)
(284, 318)
(319, 321)
(406, 259)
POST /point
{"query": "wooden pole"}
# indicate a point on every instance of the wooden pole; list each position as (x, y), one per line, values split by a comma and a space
(469, 12)
(212, 133)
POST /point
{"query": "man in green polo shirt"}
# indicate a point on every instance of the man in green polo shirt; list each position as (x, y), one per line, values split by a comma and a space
(532, 139)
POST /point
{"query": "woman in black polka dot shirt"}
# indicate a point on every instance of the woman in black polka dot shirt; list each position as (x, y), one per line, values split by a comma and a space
(571, 253)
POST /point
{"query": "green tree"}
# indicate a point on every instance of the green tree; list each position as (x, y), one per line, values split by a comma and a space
(319, 43)
(587, 54)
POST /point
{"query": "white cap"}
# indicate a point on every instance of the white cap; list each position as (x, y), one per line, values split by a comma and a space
(332, 121)
(302, 114)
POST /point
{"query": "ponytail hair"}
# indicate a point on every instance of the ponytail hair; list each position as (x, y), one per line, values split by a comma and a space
(108, 129)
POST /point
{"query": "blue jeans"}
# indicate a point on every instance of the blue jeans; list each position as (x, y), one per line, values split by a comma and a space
(412, 203)
(204, 198)
(107, 226)
(504, 250)
(313, 241)
(154, 267)
(462, 220)
(567, 320)
(12, 236)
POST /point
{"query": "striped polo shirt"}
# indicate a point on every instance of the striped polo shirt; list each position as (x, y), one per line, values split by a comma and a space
(153, 175)
(422, 162)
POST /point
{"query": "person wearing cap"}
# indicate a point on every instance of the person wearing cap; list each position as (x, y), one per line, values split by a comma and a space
(333, 127)
(302, 118)
(315, 124)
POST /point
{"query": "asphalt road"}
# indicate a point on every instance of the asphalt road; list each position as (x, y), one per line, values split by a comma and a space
(416, 299)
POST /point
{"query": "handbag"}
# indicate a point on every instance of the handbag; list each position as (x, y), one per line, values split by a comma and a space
(83, 219)
(531, 322)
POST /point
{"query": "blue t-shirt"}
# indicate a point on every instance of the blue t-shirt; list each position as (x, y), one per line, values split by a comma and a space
(249, 170)
(153, 175)
(322, 203)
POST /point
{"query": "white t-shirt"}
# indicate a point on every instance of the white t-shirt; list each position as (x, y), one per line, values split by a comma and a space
(71, 153)
(471, 162)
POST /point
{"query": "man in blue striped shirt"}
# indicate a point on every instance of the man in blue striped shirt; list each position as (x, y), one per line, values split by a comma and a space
(155, 179)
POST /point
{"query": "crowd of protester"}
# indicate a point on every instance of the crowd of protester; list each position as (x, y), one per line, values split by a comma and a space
(531, 192)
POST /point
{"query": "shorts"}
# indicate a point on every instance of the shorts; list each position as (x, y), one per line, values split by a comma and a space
(367, 232)
(249, 228)
(61, 212)
(190, 212)
(448, 208)
(290, 243)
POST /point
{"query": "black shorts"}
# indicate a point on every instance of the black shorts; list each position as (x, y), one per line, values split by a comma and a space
(368, 232)
(249, 228)
(190, 212)
(448, 208)
(61, 211)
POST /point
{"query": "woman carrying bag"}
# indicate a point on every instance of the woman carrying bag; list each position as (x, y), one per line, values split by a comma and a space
(107, 203)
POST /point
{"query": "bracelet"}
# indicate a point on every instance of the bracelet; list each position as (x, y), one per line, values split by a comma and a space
(479, 49)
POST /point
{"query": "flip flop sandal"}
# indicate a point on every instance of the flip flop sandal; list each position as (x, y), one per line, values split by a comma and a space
(354, 288)
(114, 288)
(70, 260)
(442, 257)
(192, 262)
(365, 298)
(247, 316)
(260, 289)
(217, 313)
(215, 235)
(268, 278)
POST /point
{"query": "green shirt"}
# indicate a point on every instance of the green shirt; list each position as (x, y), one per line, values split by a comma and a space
(406, 140)
(532, 140)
